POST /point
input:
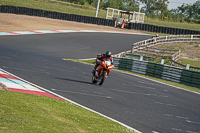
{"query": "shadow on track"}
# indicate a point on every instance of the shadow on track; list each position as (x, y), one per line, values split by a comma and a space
(84, 82)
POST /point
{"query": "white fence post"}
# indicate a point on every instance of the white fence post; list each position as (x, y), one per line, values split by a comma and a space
(162, 61)
(187, 66)
(191, 36)
(141, 58)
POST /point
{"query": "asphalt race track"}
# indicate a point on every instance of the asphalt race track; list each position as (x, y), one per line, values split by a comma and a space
(143, 104)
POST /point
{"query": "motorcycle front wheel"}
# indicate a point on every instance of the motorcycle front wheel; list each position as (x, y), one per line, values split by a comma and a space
(103, 77)
(94, 80)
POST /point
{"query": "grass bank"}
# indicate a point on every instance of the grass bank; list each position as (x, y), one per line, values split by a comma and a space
(157, 79)
(54, 6)
(191, 62)
(24, 113)
(188, 26)
(64, 7)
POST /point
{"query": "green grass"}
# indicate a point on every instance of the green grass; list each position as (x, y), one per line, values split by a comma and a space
(167, 60)
(191, 62)
(53, 6)
(173, 24)
(154, 33)
(91, 62)
(87, 11)
(24, 113)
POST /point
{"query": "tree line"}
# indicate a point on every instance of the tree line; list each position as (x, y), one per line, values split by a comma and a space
(155, 9)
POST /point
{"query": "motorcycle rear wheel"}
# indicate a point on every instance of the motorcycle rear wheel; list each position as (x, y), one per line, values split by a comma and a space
(103, 77)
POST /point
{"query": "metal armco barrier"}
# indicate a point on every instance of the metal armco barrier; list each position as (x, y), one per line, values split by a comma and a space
(191, 78)
(55, 15)
(171, 73)
(159, 29)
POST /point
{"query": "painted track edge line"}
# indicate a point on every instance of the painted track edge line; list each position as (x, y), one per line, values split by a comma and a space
(72, 101)
(37, 32)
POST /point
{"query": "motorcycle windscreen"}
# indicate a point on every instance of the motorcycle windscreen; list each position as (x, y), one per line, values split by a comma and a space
(108, 63)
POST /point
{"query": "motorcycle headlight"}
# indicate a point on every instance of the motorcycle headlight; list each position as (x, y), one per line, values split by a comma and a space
(108, 63)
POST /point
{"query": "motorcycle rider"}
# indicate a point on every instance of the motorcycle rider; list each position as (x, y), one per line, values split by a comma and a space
(100, 58)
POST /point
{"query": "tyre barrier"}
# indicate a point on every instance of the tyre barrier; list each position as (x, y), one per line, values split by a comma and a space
(55, 15)
(171, 73)
(159, 29)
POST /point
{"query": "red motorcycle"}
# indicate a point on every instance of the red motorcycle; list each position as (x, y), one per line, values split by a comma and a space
(105, 68)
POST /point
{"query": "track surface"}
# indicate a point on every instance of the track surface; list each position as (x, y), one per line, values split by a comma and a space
(140, 103)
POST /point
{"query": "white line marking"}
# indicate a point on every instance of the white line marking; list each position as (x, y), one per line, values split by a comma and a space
(150, 94)
(154, 132)
(176, 129)
(181, 117)
(65, 31)
(168, 115)
(166, 104)
(148, 87)
(191, 132)
(132, 92)
(55, 94)
(126, 91)
(83, 94)
(193, 122)
(146, 83)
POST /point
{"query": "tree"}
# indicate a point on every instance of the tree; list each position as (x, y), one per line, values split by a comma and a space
(155, 8)
(161, 6)
(90, 1)
(196, 8)
(188, 12)
(149, 6)
(132, 5)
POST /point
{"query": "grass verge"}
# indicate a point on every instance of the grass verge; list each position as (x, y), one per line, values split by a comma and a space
(91, 62)
(179, 25)
(65, 7)
(49, 5)
(191, 62)
(30, 113)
